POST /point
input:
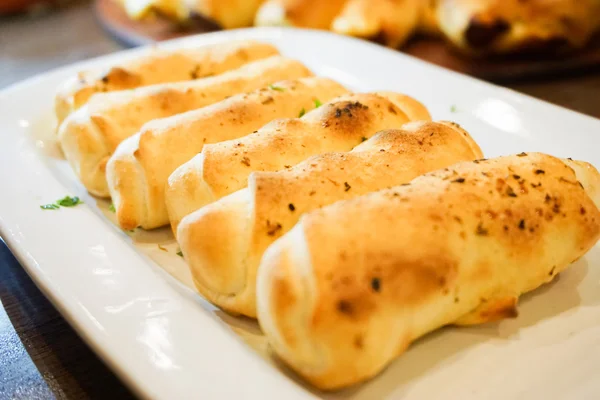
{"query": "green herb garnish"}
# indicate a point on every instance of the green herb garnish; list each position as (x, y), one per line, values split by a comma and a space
(302, 112)
(66, 201)
(69, 201)
(278, 88)
(453, 108)
(179, 253)
(318, 103)
(111, 208)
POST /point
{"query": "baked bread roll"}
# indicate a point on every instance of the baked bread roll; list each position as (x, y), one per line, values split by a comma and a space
(503, 26)
(158, 66)
(340, 125)
(90, 135)
(137, 172)
(390, 21)
(316, 14)
(353, 284)
(224, 241)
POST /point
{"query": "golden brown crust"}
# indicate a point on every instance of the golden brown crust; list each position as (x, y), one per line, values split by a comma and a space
(244, 224)
(391, 22)
(491, 310)
(434, 251)
(158, 66)
(109, 118)
(163, 145)
(337, 126)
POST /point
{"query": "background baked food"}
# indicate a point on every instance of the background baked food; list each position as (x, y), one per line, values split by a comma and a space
(473, 27)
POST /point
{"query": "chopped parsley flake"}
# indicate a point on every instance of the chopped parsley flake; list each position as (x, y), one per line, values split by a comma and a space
(111, 208)
(66, 201)
(318, 103)
(453, 108)
(69, 201)
(179, 253)
(278, 88)
(302, 112)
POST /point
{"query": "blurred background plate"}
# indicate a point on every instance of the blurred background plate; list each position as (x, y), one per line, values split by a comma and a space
(497, 69)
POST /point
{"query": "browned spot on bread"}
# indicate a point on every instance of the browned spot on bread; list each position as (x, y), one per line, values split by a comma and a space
(358, 341)
(376, 284)
(273, 228)
(345, 307)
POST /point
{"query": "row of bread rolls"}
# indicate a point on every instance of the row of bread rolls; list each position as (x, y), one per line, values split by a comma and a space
(90, 135)
(147, 158)
(473, 26)
(225, 241)
(241, 164)
(340, 125)
(389, 21)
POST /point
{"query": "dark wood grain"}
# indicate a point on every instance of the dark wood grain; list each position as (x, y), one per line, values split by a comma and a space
(40, 355)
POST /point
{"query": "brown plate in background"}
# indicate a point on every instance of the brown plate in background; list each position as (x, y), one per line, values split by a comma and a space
(135, 33)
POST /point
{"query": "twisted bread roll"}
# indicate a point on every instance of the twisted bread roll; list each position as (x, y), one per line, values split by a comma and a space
(138, 171)
(353, 284)
(340, 125)
(390, 21)
(91, 134)
(224, 241)
(158, 66)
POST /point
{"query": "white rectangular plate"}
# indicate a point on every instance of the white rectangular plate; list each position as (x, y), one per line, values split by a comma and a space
(118, 289)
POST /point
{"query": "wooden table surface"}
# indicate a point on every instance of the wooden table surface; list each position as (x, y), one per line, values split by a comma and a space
(40, 355)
